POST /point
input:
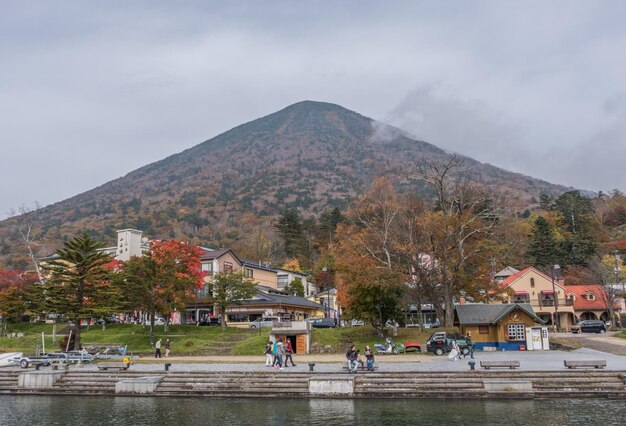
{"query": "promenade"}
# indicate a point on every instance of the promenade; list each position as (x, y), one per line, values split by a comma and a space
(529, 361)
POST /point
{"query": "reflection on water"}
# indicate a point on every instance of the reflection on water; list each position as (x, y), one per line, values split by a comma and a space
(59, 410)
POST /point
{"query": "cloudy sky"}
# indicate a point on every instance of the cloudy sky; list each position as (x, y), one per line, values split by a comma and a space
(90, 91)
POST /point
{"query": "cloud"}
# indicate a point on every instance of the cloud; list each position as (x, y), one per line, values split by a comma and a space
(469, 127)
(91, 91)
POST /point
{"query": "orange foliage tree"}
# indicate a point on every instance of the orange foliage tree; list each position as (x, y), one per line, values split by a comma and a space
(163, 279)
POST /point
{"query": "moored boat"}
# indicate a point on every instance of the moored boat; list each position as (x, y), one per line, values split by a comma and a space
(8, 359)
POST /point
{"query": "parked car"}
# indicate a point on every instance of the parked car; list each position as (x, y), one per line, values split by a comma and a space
(157, 321)
(264, 322)
(324, 323)
(440, 342)
(589, 326)
(210, 321)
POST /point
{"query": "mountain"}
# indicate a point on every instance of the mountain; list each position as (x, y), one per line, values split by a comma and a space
(309, 156)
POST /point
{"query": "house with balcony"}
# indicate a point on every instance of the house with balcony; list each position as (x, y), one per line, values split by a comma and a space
(547, 297)
(270, 300)
(591, 302)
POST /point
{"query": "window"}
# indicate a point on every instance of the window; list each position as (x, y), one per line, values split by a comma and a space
(282, 280)
(237, 318)
(202, 292)
(532, 283)
(207, 267)
(483, 329)
(590, 296)
(521, 298)
(516, 332)
(228, 267)
(249, 273)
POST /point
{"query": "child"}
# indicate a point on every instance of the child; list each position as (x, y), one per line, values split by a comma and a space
(369, 356)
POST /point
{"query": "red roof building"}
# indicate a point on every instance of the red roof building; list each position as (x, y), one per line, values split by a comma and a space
(590, 301)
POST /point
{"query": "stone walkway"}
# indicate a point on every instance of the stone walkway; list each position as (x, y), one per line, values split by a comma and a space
(603, 343)
(529, 361)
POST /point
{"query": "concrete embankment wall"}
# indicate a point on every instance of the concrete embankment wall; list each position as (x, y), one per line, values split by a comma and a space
(460, 385)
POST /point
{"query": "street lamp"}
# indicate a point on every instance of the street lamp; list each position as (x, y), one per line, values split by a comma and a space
(617, 280)
(617, 270)
(555, 319)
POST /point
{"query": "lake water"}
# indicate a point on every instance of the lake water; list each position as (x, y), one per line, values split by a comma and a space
(88, 411)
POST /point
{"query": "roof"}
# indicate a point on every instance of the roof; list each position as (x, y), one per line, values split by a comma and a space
(581, 303)
(291, 271)
(507, 272)
(216, 254)
(332, 291)
(478, 313)
(513, 278)
(256, 265)
(267, 296)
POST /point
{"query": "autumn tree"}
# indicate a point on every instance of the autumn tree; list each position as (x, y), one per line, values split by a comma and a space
(292, 265)
(15, 298)
(230, 288)
(78, 287)
(26, 222)
(608, 273)
(370, 284)
(458, 233)
(164, 279)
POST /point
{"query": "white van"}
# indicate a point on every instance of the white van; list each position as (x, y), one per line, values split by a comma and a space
(264, 322)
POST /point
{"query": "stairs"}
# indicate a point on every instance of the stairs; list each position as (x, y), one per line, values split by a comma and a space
(453, 385)
(91, 382)
(225, 345)
(8, 381)
(258, 385)
(582, 384)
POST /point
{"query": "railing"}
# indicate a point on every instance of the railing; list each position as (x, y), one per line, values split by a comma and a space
(548, 303)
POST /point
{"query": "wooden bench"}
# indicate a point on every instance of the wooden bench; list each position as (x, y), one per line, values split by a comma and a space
(345, 368)
(113, 366)
(504, 364)
(599, 363)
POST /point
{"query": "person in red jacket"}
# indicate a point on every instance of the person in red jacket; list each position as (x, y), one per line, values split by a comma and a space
(289, 354)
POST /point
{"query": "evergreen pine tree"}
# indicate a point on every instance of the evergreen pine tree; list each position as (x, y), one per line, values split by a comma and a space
(543, 249)
(291, 230)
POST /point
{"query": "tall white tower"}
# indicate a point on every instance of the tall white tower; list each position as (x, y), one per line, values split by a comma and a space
(128, 244)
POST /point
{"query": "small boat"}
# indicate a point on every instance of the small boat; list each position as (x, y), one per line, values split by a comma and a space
(8, 359)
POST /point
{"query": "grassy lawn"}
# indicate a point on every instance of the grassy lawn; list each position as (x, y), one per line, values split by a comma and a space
(192, 340)
(340, 339)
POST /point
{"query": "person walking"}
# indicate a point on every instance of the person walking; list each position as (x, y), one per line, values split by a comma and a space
(470, 345)
(157, 349)
(280, 352)
(168, 345)
(289, 354)
(274, 354)
(269, 358)
(351, 356)
(369, 357)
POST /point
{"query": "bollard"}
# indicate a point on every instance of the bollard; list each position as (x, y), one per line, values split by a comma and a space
(37, 366)
(472, 364)
(311, 365)
(167, 366)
